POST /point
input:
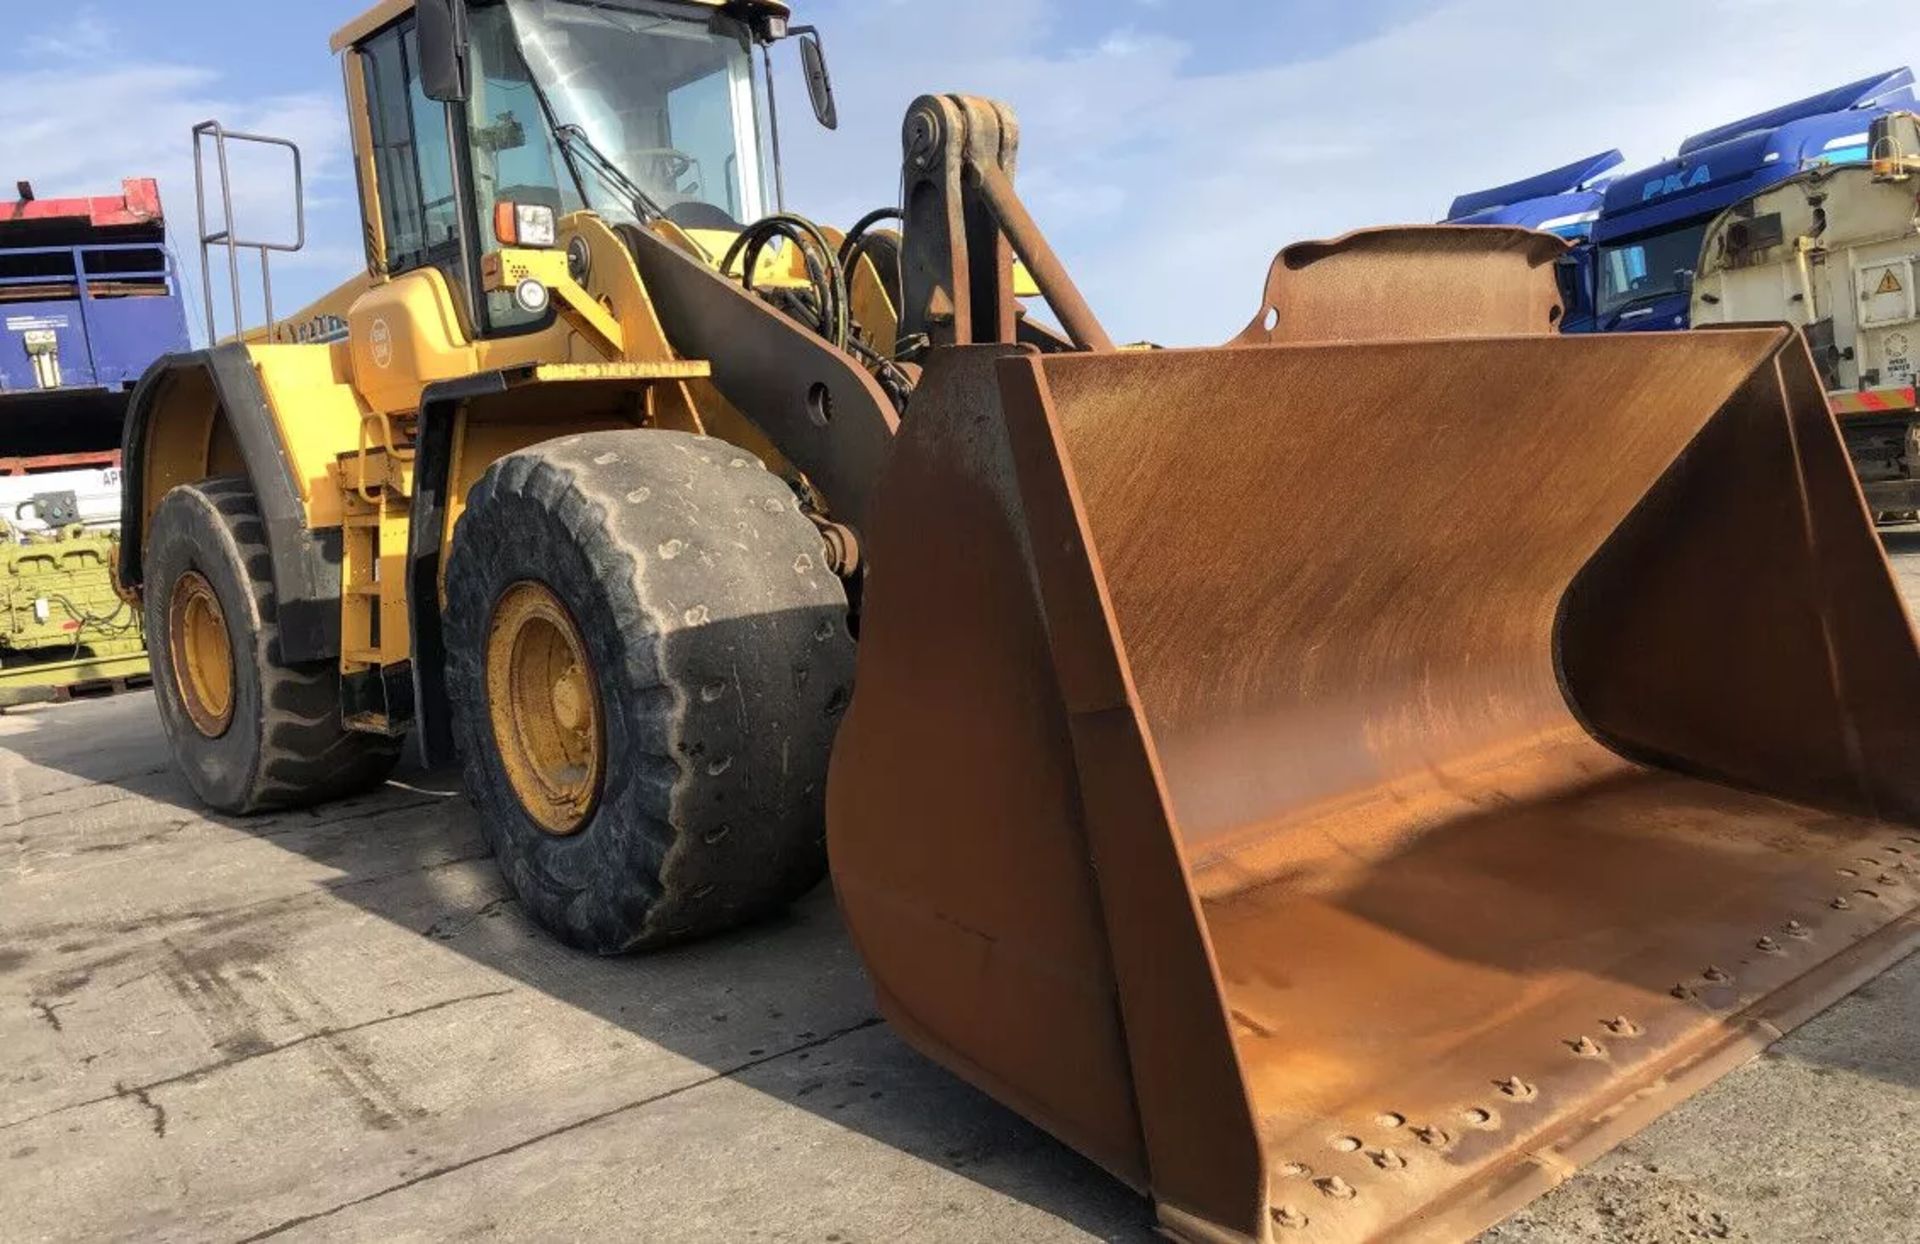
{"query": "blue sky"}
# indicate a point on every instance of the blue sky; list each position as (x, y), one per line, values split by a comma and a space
(1169, 146)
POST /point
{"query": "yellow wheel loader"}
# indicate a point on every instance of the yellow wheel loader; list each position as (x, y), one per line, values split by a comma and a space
(1339, 781)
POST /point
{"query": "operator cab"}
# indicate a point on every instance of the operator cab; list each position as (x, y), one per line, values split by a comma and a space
(488, 121)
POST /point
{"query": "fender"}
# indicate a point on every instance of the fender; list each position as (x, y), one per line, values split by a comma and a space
(306, 563)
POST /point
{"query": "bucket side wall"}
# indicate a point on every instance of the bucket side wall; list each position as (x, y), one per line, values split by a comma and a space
(1743, 623)
(954, 825)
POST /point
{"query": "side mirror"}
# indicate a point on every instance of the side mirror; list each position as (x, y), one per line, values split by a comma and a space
(813, 59)
(1566, 274)
(442, 31)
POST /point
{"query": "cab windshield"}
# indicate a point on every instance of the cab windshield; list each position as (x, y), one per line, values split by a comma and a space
(1649, 267)
(665, 93)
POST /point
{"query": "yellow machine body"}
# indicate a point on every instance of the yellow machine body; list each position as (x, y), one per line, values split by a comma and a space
(342, 381)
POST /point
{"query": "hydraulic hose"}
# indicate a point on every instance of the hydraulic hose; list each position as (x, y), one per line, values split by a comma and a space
(822, 263)
(856, 237)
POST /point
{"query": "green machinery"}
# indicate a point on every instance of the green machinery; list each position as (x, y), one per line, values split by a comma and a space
(62, 625)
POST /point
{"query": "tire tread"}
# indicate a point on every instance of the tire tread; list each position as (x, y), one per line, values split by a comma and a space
(696, 833)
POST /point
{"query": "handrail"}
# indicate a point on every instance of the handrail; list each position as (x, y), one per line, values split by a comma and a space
(226, 236)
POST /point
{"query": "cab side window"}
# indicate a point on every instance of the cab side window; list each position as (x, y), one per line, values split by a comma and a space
(412, 162)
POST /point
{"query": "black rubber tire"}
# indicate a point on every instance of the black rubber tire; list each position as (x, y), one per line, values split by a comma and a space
(284, 746)
(719, 644)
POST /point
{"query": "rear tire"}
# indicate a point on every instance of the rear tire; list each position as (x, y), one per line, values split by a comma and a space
(713, 663)
(250, 730)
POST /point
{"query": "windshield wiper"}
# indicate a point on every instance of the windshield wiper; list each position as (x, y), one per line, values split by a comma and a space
(1653, 295)
(644, 205)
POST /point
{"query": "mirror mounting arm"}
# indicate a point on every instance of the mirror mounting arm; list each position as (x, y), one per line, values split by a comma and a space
(773, 130)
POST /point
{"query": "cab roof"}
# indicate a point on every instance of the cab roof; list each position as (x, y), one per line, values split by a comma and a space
(1567, 179)
(392, 10)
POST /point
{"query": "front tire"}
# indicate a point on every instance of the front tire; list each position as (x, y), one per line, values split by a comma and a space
(647, 658)
(250, 730)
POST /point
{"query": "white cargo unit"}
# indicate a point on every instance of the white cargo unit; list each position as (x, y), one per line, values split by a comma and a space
(1836, 251)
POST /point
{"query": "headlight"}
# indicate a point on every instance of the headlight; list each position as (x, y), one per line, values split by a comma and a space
(523, 224)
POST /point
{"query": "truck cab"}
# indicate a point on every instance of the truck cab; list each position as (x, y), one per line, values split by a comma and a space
(1648, 234)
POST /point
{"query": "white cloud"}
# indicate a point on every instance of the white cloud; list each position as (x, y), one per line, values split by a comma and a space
(81, 35)
(135, 120)
(1168, 188)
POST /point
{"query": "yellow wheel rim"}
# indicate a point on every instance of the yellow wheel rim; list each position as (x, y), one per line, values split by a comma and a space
(202, 655)
(544, 704)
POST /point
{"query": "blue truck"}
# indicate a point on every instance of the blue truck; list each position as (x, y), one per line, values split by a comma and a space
(1646, 241)
(1565, 201)
(1637, 235)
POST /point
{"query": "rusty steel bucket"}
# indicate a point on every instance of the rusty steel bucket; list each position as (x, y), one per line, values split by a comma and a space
(1341, 788)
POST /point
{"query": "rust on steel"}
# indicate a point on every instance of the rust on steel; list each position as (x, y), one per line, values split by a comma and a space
(1345, 821)
(1043, 263)
(1405, 281)
(956, 266)
(964, 222)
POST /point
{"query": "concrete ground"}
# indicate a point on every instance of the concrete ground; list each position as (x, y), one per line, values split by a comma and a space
(334, 1024)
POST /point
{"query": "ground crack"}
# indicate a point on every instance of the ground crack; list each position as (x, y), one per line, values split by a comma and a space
(139, 1093)
(563, 1129)
(448, 927)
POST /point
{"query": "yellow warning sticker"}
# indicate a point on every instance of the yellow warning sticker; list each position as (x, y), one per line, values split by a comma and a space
(1889, 284)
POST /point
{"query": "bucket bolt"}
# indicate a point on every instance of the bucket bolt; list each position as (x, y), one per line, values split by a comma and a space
(1682, 991)
(1795, 929)
(1767, 945)
(1387, 1159)
(1621, 1026)
(1716, 976)
(1432, 1137)
(1516, 1088)
(1336, 1187)
(1840, 903)
(1587, 1047)
(1289, 1217)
